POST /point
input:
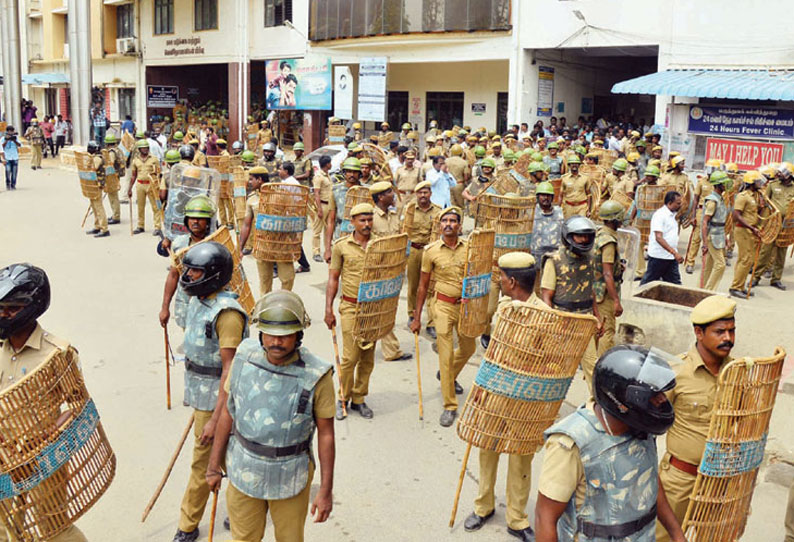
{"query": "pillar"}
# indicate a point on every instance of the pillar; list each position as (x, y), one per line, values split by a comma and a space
(313, 130)
(12, 80)
(239, 99)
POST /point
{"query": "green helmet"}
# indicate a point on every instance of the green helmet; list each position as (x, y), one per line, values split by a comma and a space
(509, 155)
(142, 144)
(139, 134)
(281, 313)
(479, 151)
(553, 145)
(248, 157)
(172, 156)
(534, 167)
(620, 164)
(718, 177)
(167, 119)
(199, 206)
(652, 171)
(611, 210)
(406, 126)
(573, 159)
(179, 136)
(352, 146)
(580, 150)
(488, 162)
(298, 146)
(351, 164)
(545, 188)
(110, 139)
(536, 157)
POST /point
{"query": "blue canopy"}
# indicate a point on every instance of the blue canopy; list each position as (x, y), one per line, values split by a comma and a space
(54, 78)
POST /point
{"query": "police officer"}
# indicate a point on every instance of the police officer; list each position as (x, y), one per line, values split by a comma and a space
(351, 168)
(346, 265)
(304, 170)
(35, 135)
(702, 189)
(746, 219)
(445, 259)
(567, 280)
(516, 281)
(100, 228)
(547, 222)
(116, 160)
(613, 180)
(713, 320)
(780, 192)
(271, 466)
(199, 158)
(419, 235)
(482, 183)
(406, 179)
(269, 160)
(554, 161)
(459, 168)
(214, 327)
(576, 194)
(712, 230)
(24, 344)
(322, 191)
(145, 170)
(608, 272)
(610, 445)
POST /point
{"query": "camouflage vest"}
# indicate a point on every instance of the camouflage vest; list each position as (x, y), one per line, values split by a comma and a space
(546, 231)
(343, 226)
(717, 222)
(605, 236)
(574, 291)
(555, 166)
(100, 169)
(272, 168)
(202, 349)
(118, 161)
(621, 485)
(181, 299)
(272, 408)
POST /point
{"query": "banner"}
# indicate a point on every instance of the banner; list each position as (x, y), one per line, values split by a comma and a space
(372, 89)
(303, 83)
(745, 154)
(159, 96)
(545, 90)
(742, 122)
(343, 92)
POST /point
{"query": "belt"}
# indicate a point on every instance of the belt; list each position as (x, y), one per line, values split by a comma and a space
(272, 452)
(575, 203)
(574, 305)
(716, 224)
(447, 299)
(143, 182)
(324, 202)
(203, 370)
(621, 530)
(418, 246)
(349, 299)
(683, 466)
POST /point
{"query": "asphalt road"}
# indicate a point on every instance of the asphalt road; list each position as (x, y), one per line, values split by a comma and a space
(395, 475)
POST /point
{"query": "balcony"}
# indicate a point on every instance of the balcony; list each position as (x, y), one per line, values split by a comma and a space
(340, 19)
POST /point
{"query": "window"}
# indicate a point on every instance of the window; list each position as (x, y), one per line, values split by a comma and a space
(124, 21)
(501, 112)
(205, 14)
(445, 107)
(397, 109)
(126, 102)
(163, 16)
(277, 11)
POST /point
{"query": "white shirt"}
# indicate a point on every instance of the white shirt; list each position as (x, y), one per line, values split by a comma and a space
(60, 128)
(289, 180)
(441, 183)
(394, 164)
(615, 145)
(663, 220)
(155, 149)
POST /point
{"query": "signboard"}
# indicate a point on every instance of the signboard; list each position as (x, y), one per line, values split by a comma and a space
(752, 122)
(545, 90)
(303, 83)
(478, 109)
(343, 92)
(372, 89)
(746, 154)
(159, 96)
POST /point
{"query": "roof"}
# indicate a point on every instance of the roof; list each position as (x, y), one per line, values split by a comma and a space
(54, 78)
(704, 83)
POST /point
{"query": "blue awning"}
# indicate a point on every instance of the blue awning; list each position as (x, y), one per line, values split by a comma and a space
(735, 84)
(54, 78)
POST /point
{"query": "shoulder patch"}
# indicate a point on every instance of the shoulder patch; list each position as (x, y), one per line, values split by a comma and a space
(61, 344)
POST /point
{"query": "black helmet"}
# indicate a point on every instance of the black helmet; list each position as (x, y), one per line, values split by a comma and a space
(92, 147)
(626, 378)
(22, 284)
(581, 226)
(187, 152)
(216, 262)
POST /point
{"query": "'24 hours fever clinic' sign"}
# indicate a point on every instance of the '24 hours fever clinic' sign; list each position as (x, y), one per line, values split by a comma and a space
(745, 154)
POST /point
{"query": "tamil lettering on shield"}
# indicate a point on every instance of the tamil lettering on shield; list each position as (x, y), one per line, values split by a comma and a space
(281, 224)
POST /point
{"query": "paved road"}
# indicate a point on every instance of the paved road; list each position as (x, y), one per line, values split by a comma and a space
(395, 475)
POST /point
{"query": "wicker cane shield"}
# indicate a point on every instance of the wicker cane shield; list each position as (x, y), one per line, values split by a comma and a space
(89, 183)
(280, 222)
(522, 165)
(786, 236)
(523, 379)
(720, 501)
(511, 218)
(52, 471)
(126, 145)
(379, 289)
(771, 222)
(378, 158)
(186, 181)
(221, 164)
(649, 198)
(355, 195)
(112, 183)
(239, 282)
(239, 191)
(476, 284)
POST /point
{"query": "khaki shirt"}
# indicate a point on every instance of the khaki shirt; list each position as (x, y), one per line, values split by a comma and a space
(304, 165)
(407, 179)
(146, 170)
(679, 180)
(702, 189)
(625, 186)
(422, 223)
(385, 222)
(347, 257)
(252, 206)
(575, 188)
(323, 184)
(499, 160)
(780, 195)
(447, 266)
(746, 203)
(199, 159)
(693, 400)
(39, 346)
(459, 168)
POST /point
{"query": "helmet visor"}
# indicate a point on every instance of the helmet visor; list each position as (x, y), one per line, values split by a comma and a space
(655, 376)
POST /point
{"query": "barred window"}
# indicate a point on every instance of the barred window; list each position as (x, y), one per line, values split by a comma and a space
(163, 16)
(277, 12)
(205, 14)
(124, 20)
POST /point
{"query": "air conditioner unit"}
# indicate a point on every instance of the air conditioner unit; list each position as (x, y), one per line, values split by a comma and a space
(125, 45)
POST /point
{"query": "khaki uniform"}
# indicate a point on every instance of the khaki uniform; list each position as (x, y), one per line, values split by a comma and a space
(323, 184)
(387, 223)
(358, 360)
(773, 256)
(607, 253)
(199, 159)
(746, 203)
(610, 181)
(100, 217)
(575, 190)
(14, 366)
(286, 271)
(692, 399)
(460, 169)
(35, 135)
(702, 189)
(406, 180)
(714, 266)
(448, 265)
(419, 237)
(113, 195)
(148, 171)
(678, 180)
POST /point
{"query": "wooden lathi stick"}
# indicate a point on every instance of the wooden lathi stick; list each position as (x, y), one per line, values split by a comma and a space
(167, 368)
(702, 268)
(212, 515)
(755, 265)
(339, 370)
(131, 216)
(171, 464)
(460, 485)
(87, 212)
(419, 376)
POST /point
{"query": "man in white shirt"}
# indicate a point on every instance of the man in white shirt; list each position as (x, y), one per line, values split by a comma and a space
(397, 162)
(663, 256)
(286, 173)
(155, 148)
(441, 182)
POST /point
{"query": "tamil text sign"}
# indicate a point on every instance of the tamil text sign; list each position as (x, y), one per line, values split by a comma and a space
(752, 122)
(159, 96)
(303, 83)
(745, 154)
(545, 90)
(372, 89)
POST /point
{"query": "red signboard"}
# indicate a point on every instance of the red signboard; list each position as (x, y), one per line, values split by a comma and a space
(746, 154)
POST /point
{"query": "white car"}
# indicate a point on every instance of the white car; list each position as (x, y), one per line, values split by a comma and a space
(338, 153)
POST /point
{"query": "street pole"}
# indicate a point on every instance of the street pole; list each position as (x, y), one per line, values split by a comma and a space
(79, 28)
(4, 50)
(12, 79)
(74, 77)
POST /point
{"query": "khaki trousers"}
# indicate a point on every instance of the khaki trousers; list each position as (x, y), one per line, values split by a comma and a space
(790, 515)
(570, 210)
(774, 257)
(142, 193)
(519, 480)
(678, 486)
(318, 227)
(226, 211)
(694, 245)
(286, 274)
(607, 311)
(248, 516)
(197, 492)
(390, 346)
(115, 204)
(414, 272)
(100, 218)
(746, 242)
(456, 193)
(35, 155)
(714, 267)
(588, 363)
(451, 362)
(357, 362)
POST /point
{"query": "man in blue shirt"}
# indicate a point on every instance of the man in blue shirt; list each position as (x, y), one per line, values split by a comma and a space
(441, 181)
(99, 122)
(9, 154)
(128, 125)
